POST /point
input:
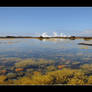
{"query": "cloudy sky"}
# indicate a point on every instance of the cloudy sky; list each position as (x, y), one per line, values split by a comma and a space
(36, 20)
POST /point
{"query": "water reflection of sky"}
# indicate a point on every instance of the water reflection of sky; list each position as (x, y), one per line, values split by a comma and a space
(50, 49)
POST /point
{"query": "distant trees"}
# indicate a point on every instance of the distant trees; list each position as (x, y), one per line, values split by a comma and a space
(72, 37)
(10, 36)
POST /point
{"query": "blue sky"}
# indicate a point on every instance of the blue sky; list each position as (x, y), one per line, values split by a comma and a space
(36, 20)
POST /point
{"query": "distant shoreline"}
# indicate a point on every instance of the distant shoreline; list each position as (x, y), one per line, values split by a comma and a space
(71, 37)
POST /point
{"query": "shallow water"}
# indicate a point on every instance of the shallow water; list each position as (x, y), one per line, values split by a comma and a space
(48, 49)
(61, 51)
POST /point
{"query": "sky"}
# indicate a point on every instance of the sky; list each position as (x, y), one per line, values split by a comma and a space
(37, 20)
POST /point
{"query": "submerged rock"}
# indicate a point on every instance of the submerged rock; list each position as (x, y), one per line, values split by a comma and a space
(60, 66)
(19, 69)
(3, 71)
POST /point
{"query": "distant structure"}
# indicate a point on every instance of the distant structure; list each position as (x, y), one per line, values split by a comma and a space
(44, 35)
(54, 35)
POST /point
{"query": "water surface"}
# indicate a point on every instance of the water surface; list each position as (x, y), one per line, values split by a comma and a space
(36, 55)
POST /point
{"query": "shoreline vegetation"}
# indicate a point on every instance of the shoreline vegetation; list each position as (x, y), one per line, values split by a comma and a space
(41, 37)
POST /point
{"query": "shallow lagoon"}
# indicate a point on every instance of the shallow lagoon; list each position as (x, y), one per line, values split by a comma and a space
(52, 53)
(48, 48)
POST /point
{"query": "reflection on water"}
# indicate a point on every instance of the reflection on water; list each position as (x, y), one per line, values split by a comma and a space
(53, 40)
(20, 58)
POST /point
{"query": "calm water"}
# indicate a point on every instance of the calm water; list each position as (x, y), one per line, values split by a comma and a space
(52, 49)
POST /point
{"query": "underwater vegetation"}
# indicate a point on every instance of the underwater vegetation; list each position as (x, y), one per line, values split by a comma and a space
(45, 72)
(64, 76)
